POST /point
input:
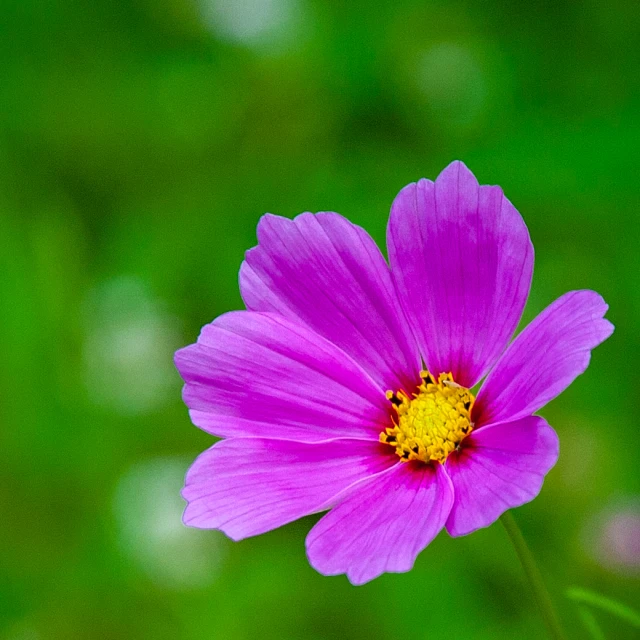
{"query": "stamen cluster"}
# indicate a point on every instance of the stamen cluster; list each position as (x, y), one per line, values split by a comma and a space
(431, 424)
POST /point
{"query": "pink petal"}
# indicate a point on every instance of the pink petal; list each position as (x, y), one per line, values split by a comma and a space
(246, 486)
(462, 263)
(329, 274)
(544, 359)
(383, 524)
(257, 374)
(498, 468)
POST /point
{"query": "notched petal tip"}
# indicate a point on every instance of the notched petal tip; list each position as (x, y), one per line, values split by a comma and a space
(183, 360)
(607, 328)
(178, 357)
(270, 218)
(454, 170)
(271, 223)
(458, 174)
(587, 298)
(249, 256)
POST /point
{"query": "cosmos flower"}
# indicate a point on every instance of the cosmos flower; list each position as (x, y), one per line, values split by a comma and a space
(347, 383)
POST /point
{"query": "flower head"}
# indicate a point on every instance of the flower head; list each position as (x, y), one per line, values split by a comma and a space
(346, 384)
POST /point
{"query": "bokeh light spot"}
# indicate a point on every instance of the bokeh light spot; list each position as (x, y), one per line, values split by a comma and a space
(453, 82)
(148, 510)
(254, 23)
(613, 537)
(128, 348)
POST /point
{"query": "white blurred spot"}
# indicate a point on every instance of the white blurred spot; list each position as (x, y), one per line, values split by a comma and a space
(128, 349)
(453, 82)
(255, 23)
(148, 510)
(614, 537)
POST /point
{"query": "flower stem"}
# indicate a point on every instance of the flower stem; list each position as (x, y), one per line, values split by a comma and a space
(530, 567)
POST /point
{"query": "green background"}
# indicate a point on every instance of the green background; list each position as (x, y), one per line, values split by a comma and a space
(140, 141)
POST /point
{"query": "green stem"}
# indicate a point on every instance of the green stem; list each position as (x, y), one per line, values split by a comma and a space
(530, 567)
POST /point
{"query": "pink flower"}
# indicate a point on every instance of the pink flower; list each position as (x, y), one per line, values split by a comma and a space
(346, 383)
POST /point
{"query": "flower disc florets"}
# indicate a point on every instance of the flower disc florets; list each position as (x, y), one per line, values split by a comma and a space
(433, 423)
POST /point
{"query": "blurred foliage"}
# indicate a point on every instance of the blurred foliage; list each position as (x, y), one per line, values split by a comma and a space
(140, 141)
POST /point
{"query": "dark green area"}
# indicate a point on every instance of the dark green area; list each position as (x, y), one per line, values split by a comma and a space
(140, 141)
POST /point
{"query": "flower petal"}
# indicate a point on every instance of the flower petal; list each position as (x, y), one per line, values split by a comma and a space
(544, 359)
(383, 524)
(462, 262)
(329, 274)
(498, 468)
(257, 374)
(246, 486)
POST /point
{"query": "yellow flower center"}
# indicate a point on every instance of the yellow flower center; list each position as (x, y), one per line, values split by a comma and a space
(433, 423)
